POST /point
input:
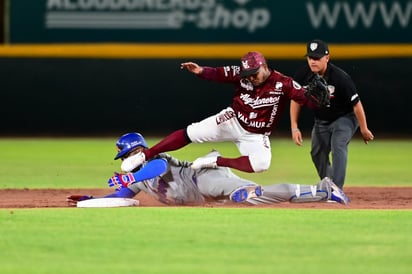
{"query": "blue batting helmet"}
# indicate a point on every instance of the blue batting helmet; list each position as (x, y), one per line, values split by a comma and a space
(129, 141)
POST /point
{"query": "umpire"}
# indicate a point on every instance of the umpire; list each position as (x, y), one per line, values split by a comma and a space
(334, 126)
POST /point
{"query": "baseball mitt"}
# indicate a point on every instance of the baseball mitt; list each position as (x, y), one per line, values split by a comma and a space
(317, 91)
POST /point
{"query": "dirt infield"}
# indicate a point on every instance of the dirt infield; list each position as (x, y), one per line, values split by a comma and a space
(361, 198)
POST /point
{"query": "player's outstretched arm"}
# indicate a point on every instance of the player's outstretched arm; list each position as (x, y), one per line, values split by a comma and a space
(150, 170)
(192, 67)
(122, 193)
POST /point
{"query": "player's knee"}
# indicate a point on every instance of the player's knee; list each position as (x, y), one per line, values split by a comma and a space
(259, 164)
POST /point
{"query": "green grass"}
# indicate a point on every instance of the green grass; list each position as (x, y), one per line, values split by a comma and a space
(65, 163)
(205, 240)
(200, 240)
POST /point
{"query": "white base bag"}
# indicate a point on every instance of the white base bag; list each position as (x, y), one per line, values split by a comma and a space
(108, 202)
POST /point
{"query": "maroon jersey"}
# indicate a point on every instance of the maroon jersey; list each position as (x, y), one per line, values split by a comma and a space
(258, 109)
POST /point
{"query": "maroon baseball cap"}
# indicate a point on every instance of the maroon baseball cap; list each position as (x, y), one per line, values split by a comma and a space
(250, 63)
(317, 49)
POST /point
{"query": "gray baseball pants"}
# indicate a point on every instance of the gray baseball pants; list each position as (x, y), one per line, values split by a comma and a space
(332, 139)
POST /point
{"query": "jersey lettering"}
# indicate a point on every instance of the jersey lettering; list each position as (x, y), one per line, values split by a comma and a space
(258, 102)
(257, 108)
(224, 117)
(274, 112)
(241, 117)
(231, 71)
(257, 124)
(253, 115)
(251, 123)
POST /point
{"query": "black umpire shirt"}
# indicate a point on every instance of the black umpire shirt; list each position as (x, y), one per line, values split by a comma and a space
(343, 95)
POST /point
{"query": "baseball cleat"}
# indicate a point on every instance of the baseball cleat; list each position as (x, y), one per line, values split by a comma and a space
(336, 194)
(244, 193)
(204, 162)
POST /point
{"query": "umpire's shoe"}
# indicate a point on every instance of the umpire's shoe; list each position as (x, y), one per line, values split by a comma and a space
(244, 193)
(336, 194)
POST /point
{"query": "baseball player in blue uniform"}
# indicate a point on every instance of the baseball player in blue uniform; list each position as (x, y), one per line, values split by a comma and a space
(174, 182)
(335, 125)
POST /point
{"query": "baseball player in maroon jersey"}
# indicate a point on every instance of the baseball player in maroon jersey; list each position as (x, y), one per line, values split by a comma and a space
(260, 97)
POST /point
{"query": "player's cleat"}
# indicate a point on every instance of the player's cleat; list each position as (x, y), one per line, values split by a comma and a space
(339, 196)
(244, 193)
(204, 162)
(132, 162)
(336, 194)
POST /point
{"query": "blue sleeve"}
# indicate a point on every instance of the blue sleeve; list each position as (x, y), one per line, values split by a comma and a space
(122, 193)
(150, 170)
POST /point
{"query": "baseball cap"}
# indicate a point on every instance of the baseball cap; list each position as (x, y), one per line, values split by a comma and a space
(250, 63)
(317, 49)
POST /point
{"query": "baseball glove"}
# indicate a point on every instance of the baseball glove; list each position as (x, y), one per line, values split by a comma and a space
(317, 91)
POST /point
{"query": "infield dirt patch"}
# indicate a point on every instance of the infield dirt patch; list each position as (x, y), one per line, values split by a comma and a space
(361, 198)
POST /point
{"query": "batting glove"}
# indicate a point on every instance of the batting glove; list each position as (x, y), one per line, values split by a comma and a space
(119, 181)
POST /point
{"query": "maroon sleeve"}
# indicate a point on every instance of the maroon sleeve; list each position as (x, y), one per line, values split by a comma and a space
(297, 94)
(225, 74)
(208, 73)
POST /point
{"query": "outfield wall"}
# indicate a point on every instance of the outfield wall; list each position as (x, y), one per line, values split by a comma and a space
(74, 67)
(97, 96)
(208, 21)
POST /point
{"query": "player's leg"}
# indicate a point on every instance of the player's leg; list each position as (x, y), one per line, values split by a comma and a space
(221, 127)
(207, 130)
(224, 187)
(257, 149)
(343, 130)
(295, 193)
(173, 141)
(256, 156)
(321, 148)
(222, 184)
(217, 128)
(241, 163)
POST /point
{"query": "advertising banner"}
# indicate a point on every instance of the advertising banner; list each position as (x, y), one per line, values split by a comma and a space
(209, 21)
